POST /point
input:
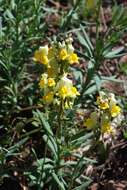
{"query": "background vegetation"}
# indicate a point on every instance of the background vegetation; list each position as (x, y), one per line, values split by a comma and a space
(30, 153)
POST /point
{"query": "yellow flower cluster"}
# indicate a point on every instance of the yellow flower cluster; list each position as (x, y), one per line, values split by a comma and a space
(107, 110)
(68, 56)
(108, 103)
(54, 82)
(56, 54)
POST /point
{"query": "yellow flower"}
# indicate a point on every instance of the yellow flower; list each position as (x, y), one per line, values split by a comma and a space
(51, 82)
(46, 82)
(66, 91)
(40, 58)
(44, 60)
(103, 104)
(63, 54)
(91, 122)
(106, 128)
(63, 92)
(41, 55)
(73, 92)
(65, 88)
(73, 58)
(115, 110)
(48, 98)
(43, 81)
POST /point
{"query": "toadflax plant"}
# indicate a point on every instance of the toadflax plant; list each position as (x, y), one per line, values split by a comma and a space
(62, 164)
(105, 120)
(102, 119)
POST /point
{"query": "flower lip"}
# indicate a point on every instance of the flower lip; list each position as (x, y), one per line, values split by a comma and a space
(44, 50)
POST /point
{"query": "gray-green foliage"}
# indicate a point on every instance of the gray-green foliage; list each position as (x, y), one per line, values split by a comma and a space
(105, 48)
(54, 170)
(23, 27)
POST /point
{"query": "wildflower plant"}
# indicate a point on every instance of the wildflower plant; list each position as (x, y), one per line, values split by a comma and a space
(58, 159)
(102, 120)
(58, 93)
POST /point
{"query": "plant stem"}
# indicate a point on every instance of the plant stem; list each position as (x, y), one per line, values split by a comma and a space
(60, 115)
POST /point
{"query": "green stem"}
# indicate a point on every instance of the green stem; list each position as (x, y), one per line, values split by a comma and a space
(60, 116)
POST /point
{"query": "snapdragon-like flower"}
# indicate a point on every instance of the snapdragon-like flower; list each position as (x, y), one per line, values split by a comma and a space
(66, 89)
(115, 110)
(46, 82)
(41, 55)
(73, 58)
(105, 123)
(63, 89)
(74, 92)
(43, 81)
(48, 97)
(103, 104)
(51, 82)
(106, 128)
(63, 92)
(63, 54)
(91, 122)
(102, 101)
